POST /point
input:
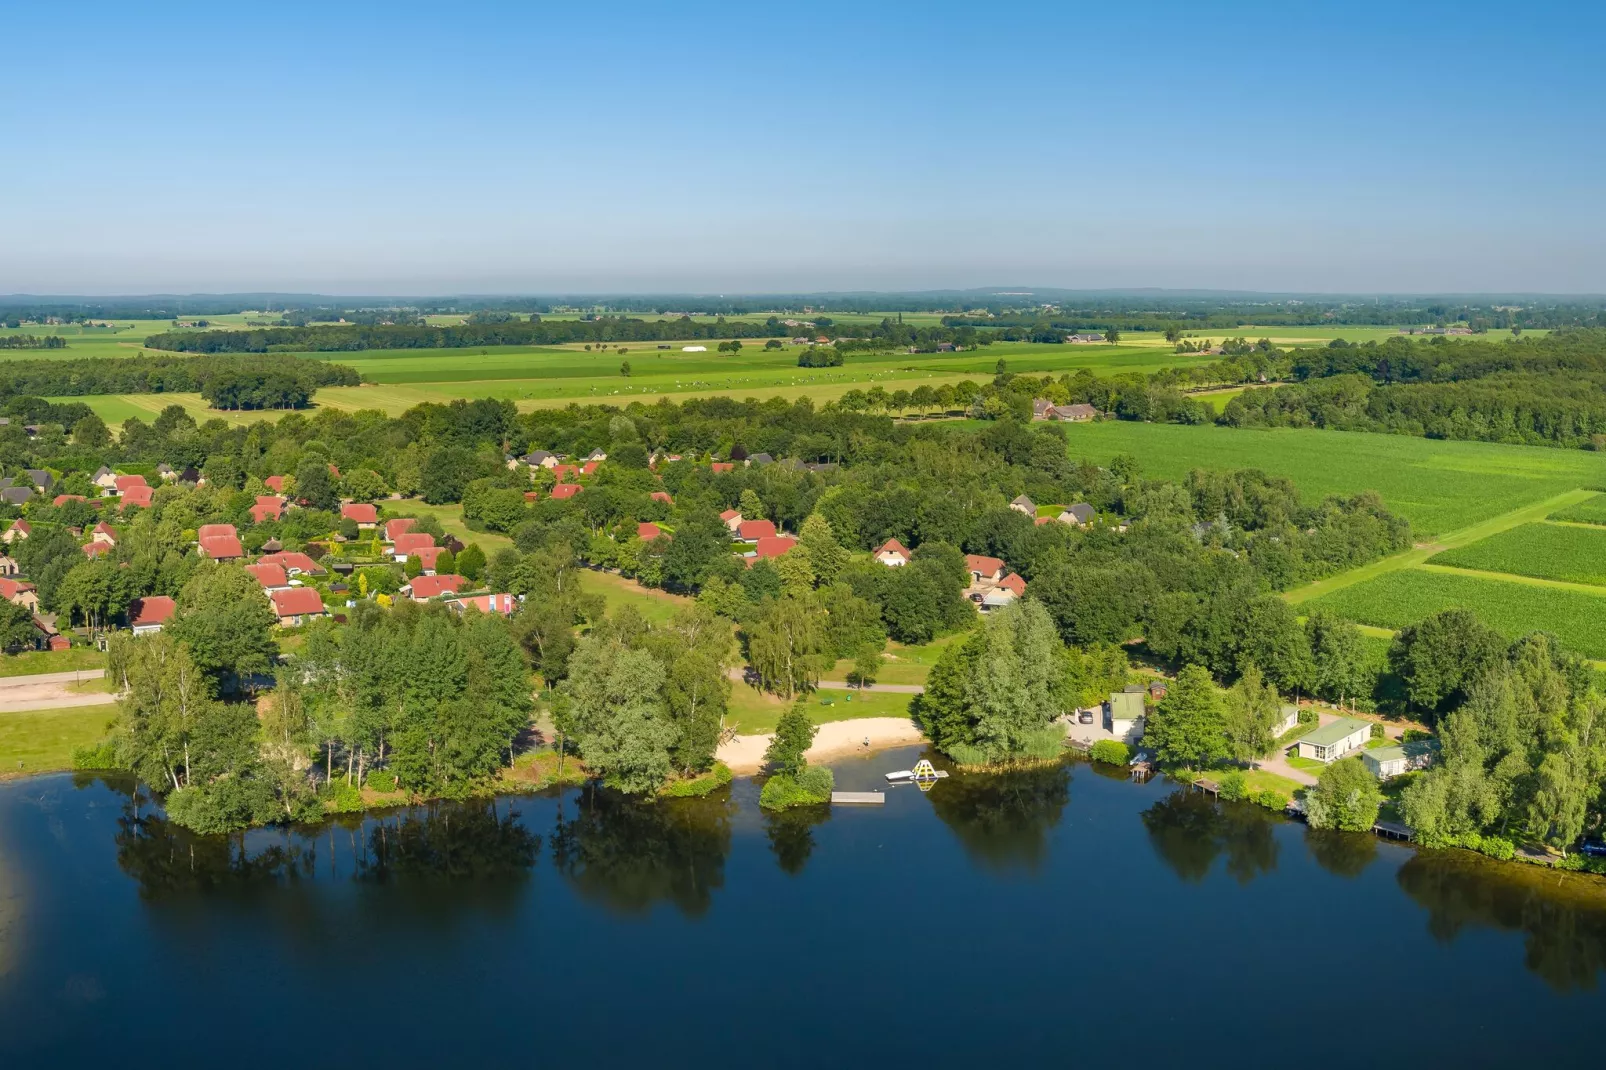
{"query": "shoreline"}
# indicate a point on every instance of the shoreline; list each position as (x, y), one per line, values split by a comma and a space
(835, 739)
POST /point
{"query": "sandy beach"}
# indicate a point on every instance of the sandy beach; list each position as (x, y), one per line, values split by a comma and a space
(835, 739)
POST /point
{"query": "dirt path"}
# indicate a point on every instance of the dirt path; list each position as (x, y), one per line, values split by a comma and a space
(50, 691)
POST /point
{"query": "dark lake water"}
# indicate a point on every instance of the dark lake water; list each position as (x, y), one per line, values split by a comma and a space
(1056, 917)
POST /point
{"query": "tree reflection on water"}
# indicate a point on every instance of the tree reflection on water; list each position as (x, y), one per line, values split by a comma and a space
(791, 835)
(627, 855)
(1003, 819)
(1189, 831)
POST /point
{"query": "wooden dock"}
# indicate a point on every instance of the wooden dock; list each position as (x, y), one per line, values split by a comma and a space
(860, 798)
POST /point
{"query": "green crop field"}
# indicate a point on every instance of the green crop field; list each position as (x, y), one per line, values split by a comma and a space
(1546, 551)
(1589, 511)
(1438, 485)
(1513, 608)
(1318, 336)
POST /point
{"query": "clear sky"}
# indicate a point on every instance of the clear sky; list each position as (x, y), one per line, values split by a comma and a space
(476, 147)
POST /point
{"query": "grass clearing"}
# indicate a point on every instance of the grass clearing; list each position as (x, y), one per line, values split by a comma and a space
(29, 663)
(451, 520)
(42, 741)
(1510, 606)
(655, 606)
(753, 712)
(1546, 551)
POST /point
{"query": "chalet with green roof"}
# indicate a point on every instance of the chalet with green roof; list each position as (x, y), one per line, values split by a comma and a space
(1335, 739)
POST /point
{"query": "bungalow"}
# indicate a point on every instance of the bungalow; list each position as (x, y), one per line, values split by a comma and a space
(147, 615)
(984, 570)
(423, 588)
(564, 491)
(1287, 719)
(19, 529)
(1076, 414)
(366, 516)
(504, 604)
(732, 519)
(20, 592)
(892, 554)
(104, 478)
(428, 556)
(212, 531)
(62, 499)
(589, 468)
(275, 484)
(772, 546)
(662, 496)
(405, 545)
(123, 484)
(293, 562)
(1024, 505)
(1391, 761)
(1125, 713)
(222, 548)
(295, 606)
(754, 530)
(1079, 515)
(271, 576)
(268, 507)
(104, 532)
(648, 531)
(1335, 739)
(399, 526)
(140, 496)
(1085, 338)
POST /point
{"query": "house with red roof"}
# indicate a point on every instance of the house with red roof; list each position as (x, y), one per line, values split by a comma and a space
(648, 531)
(147, 615)
(294, 563)
(19, 529)
(423, 588)
(732, 519)
(124, 484)
(222, 548)
(589, 468)
(723, 466)
(212, 531)
(104, 532)
(427, 557)
(268, 507)
(564, 491)
(363, 513)
(270, 575)
(400, 526)
(275, 484)
(988, 570)
(662, 496)
(62, 499)
(296, 606)
(93, 550)
(140, 496)
(504, 604)
(335, 472)
(560, 472)
(754, 530)
(771, 546)
(408, 543)
(892, 553)
(19, 592)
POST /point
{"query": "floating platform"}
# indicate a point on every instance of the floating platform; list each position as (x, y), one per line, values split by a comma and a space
(863, 798)
(921, 773)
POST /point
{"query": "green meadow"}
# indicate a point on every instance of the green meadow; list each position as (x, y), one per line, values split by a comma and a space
(1564, 552)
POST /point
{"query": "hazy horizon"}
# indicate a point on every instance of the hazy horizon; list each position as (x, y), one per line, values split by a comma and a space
(706, 149)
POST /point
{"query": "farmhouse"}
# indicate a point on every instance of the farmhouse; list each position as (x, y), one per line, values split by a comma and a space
(1076, 414)
(1085, 338)
(147, 615)
(1335, 739)
(297, 605)
(1080, 515)
(20, 592)
(892, 554)
(1124, 714)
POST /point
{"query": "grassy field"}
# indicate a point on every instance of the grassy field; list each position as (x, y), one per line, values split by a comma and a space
(78, 659)
(1546, 551)
(752, 712)
(1512, 607)
(1589, 511)
(1439, 486)
(655, 606)
(40, 741)
(451, 519)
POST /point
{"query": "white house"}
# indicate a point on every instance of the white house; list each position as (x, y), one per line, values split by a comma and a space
(1124, 715)
(1391, 761)
(1287, 718)
(694, 349)
(1335, 739)
(892, 554)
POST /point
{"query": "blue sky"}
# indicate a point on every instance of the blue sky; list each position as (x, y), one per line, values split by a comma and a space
(715, 147)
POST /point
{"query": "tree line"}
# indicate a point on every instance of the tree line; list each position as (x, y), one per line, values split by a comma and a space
(230, 380)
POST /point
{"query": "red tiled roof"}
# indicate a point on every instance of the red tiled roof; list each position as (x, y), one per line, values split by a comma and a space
(153, 609)
(774, 545)
(104, 528)
(361, 512)
(297, 602)
(750, 530)
(892, 546)
(565, 490)
(400, 526)
(504, 604)
(334, 471)
(274, 483)
(722, 466)
(63, 499)
(208, 531)
(20, 525)
(648, 531)
(95, 549)
(410, 542)
(1040, 521)
(730, 514)
(269, 574)
(292, 561)
(10, 588)
(563, 471)
(1013, 582)
(662, 496)
(221, 548)
(125, 483)
(140, 496)
(428, 555)
(589, 468)
(267, 508)
(987, 566)
(423, 587)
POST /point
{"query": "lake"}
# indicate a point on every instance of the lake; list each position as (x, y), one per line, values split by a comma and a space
(1058, 916)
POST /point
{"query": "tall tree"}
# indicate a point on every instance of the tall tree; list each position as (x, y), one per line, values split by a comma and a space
(1188, 727)
(1251, 713)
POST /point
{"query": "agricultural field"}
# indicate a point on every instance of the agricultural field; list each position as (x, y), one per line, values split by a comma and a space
(1512, 607)
(1589, 511)
(1564, 552)
(1320, 336)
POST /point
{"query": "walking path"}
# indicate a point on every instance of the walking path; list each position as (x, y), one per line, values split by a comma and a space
(50, 691)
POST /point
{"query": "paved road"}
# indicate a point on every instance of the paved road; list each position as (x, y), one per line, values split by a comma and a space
(49, 691)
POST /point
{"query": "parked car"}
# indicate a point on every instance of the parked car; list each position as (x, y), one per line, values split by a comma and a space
(1084, 716)
(1594, 847)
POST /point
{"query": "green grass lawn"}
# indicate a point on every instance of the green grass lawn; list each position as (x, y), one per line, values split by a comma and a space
(903, 664)
(1263, 780)
(752, 712)
(1546, 551)
(39, 741)
(1305, 765)
(77, 659)
(654, 605)
(1439, 486)
(1590, 511)
(1510, 606)
(451, 519)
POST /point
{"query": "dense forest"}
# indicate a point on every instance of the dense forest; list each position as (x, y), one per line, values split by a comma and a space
(227, 382)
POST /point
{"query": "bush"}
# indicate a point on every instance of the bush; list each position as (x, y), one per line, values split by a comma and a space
(1043, 744)
(1307, 716)
(1271, 799)
(341, 798)
(1345, 797)
(382, 780)
(1110, 752)
(809, 788)
(967, 754)
(1377, 730)
(102, 755)
(698, 786)
(226, 805)
(1233, 786)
